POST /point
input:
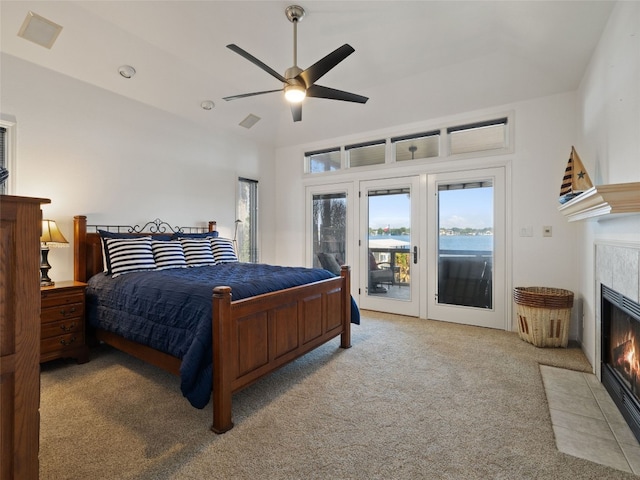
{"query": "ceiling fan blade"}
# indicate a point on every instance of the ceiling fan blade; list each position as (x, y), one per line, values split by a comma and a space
(296, 111)
(318, 91)
(257, 62)
(243, 95)
(322, 66)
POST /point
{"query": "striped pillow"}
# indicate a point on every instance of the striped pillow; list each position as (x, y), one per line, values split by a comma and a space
(223, 251)
(168, 254)
(104, 234)
(197, 252)
(130, 255)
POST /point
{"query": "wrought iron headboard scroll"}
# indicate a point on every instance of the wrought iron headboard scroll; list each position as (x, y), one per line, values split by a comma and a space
(156, 226)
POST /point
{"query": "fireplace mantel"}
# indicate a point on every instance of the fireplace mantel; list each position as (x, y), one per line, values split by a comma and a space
(612, 199)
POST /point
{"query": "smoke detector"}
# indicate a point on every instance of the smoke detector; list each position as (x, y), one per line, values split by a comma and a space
(126, 71)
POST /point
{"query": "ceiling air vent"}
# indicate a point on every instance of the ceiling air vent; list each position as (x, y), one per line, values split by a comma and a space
(250, 121)
(39, 30)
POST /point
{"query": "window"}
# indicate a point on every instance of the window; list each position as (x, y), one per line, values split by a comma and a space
(477, 137)
(490, 136)
(419, 145)
(3, 160)
(323, 160)
(370, 153)
(245, 235)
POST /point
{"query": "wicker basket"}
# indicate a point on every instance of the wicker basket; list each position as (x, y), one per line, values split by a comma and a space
(543, 315)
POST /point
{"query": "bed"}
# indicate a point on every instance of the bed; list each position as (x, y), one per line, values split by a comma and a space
(239, 331)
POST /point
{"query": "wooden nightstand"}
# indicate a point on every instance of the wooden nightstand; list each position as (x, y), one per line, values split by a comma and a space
(62, 331)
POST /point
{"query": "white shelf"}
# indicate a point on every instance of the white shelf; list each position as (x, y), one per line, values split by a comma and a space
(612, 199)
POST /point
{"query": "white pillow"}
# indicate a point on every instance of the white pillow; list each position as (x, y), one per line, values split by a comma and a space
(197, 252)
(168, 254)
(223, 251)
(130, 255)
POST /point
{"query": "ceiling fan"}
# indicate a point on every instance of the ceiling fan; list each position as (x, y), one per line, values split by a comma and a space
(299, 83)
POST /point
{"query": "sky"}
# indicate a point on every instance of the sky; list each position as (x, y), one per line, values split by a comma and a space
(470, 208)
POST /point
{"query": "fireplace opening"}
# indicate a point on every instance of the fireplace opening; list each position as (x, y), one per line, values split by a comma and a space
(620, 368)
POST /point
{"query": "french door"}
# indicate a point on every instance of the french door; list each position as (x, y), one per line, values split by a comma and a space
(466, 247)
(330, 215)
(389, 245)
(429, 245)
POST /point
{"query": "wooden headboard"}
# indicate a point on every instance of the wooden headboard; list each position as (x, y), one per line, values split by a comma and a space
(87, 246)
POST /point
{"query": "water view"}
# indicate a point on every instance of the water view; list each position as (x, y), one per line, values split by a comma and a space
(447, 242)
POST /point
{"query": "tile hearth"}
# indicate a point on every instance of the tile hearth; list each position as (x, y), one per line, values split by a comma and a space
(586, 422)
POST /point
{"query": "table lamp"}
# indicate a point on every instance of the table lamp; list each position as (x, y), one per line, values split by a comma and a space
(51, 237)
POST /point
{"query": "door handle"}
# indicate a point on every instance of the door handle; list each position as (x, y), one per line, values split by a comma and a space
(415, 254)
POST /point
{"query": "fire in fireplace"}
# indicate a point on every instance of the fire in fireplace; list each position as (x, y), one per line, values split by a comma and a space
(621, 354)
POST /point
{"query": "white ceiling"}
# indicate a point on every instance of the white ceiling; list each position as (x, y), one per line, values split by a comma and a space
(416, 60)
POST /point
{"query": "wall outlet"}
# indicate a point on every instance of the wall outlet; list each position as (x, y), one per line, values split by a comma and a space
(547, 231)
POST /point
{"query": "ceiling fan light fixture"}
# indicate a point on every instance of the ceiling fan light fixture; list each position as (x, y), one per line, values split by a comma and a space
(295, 93)
(297, 83)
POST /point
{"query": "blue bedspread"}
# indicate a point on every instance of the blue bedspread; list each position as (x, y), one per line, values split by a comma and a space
(170, 310)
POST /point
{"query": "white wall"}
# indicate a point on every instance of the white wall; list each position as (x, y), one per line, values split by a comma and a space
(102, 155)
(609, 145)
(544, 133)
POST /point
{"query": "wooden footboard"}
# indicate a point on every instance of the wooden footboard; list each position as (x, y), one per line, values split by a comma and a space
(258, 335)
(251, 337)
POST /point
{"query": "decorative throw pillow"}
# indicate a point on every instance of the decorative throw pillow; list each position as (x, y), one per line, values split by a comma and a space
(223, 251)
(178, 236)
(197, 252)
(104, 235)
(168, 254)
(130, 255)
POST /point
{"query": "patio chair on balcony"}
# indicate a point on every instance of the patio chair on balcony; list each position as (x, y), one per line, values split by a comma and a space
(329, 261)
(379, 274)
(465, 281)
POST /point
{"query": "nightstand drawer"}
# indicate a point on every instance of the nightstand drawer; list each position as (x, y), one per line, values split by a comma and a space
(63, 327)
(70, 341)
(53, 298)
(62, 312)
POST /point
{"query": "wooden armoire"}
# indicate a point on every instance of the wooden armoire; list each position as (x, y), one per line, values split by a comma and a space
(20, 226)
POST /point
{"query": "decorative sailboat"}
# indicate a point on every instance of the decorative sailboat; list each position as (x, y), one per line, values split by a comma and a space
(576, 179)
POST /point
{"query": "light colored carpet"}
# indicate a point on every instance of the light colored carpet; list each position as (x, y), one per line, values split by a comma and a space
(412, 399)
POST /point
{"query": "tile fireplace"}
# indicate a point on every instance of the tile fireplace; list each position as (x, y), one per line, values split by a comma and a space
(620, 363)
(617, 276)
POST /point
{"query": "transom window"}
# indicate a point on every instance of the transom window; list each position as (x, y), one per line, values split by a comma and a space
(363, 154)
(478, 137)
(323, 160)
(420, 145)
(490, 136)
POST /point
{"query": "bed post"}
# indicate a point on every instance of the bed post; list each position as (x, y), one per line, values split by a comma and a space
(212, 225)
(345, 337)
(223, 359)
(80, 248)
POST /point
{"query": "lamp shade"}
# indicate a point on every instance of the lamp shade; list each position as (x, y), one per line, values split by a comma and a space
(51, 235)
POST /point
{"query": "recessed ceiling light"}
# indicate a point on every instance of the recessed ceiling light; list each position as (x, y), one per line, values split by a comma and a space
(38, 29)
(207, 105)
(126, 71)
(250, 121)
